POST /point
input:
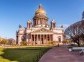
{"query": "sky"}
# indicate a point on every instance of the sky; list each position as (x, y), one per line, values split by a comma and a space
(15, 12)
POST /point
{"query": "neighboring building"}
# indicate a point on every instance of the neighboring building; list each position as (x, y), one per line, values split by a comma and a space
(38, 31)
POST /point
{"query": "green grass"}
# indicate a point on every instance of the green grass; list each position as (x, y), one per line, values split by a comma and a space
(29, 54)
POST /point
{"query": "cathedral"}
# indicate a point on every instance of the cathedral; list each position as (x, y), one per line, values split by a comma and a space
(38, 31)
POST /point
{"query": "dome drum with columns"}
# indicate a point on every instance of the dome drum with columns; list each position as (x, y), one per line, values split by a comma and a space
(40, 17)
(38, 31)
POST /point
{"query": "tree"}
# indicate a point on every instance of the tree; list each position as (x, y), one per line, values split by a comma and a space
(75, 32)
(4, 41)
(11, 41)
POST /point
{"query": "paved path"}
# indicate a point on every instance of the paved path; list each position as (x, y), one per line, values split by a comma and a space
(61, 54)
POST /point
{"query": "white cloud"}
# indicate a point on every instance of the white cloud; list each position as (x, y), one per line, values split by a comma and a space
(64, 25)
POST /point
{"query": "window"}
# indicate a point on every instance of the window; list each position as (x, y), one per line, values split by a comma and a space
(59, 38)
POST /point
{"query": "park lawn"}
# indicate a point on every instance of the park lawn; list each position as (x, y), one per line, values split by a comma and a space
(29, 54)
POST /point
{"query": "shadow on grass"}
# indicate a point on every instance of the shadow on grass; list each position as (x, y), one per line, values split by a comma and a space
(30, 54)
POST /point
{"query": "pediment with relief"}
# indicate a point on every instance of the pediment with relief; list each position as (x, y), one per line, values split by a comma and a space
(43, 30)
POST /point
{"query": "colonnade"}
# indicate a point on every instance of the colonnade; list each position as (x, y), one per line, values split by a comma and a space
(41, 38)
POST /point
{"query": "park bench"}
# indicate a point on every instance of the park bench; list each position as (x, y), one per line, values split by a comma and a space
(82, 52)
(80, 49)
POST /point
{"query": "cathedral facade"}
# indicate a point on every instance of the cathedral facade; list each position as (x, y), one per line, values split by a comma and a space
(38, 31)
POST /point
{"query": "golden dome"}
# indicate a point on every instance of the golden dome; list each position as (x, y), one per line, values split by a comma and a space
(40, 10)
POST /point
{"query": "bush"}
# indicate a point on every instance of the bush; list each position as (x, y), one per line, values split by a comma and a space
(4, 41)
(23, 43)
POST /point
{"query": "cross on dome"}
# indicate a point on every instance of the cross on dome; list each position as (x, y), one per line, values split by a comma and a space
(40, 6)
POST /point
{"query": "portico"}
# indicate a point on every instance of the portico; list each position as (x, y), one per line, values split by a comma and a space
(41, 37)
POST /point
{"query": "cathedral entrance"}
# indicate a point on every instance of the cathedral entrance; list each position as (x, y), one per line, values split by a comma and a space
(39, 39)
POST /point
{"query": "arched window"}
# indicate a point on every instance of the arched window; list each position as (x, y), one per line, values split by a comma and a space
(59, 38)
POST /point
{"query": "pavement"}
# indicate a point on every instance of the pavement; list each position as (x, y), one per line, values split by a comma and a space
(61, 54)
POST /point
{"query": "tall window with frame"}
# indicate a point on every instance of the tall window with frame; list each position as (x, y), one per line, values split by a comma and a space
(59, 38)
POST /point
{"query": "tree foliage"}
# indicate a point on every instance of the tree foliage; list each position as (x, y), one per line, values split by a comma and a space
(76, 32)
(23, 43)
(4, 41)
(11, 41)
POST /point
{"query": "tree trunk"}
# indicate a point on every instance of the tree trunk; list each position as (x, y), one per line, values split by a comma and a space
(78, 44)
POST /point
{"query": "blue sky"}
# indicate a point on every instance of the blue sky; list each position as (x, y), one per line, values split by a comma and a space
(15, 12)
